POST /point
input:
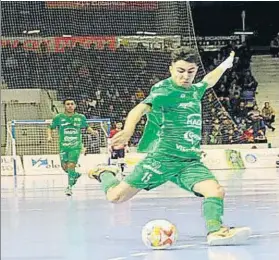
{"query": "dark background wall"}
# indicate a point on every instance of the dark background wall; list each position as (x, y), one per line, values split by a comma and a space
(210, 18)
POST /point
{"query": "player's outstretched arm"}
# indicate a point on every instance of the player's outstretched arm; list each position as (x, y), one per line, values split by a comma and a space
(49, 134)
(133, 118)
(213, 77)
(54, 124)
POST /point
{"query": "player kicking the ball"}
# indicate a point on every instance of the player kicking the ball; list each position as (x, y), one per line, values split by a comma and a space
(69, 125)
(172, 139)
(118, 151)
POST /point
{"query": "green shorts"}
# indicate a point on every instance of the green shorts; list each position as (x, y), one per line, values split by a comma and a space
(67, 156)
(156, 169)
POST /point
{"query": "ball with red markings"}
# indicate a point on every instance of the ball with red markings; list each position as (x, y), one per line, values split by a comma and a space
(159, 234)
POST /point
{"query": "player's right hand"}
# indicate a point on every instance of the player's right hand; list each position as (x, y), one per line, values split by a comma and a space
(121, 138)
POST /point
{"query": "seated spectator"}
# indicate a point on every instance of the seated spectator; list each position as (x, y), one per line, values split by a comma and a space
(260, 137)
(225, 102)
(222, 91)
(234, 90)
(248, 135)
(240, 112)
(242, 125)
(257, 122)
(235, 101)
(233, 78)
(268, 115)
(249, 82)
(139, 94)
(274, 47)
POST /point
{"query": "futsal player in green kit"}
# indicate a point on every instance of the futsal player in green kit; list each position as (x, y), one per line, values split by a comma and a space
(69, 126)
(172, 140)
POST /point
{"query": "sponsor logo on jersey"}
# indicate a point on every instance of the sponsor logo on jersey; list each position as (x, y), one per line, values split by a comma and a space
(70, 139)
(149, 167)
(64, 124)
(70, 131)
(156, 164)
(181, 148)
(186, 105)
(194, 120)
(191, 137)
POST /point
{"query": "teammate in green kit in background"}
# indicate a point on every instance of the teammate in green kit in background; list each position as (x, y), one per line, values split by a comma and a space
(69, 126)
(172, 139)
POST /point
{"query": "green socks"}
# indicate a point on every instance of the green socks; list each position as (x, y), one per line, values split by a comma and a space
(72, 177)
(213, 210)
(108, 180)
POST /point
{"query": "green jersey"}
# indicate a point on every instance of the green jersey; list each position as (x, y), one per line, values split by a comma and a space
(175, 122)
(69, 129)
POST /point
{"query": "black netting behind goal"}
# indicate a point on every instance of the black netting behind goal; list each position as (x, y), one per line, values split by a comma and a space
(106, 55)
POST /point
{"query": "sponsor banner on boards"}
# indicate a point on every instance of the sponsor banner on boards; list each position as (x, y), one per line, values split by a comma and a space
(260, 158)
(213, 159)
(7, 166)
(50, 164)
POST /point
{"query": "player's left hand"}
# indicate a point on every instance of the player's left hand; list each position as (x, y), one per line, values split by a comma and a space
(230, 60)
(121, 138)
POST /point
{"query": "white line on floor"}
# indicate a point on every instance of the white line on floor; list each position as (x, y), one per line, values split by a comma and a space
(118, 258)
(183, 246)
(138, 254)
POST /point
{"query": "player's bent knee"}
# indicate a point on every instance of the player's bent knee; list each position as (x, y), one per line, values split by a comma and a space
(219, 192)
(71, 166)
(214, 192)
(209, 189)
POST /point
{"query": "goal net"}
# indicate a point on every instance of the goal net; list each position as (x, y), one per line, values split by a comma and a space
(104, 54)
(27, 142)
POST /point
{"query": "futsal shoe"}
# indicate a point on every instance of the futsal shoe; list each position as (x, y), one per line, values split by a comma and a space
(228, 236)
(69, 191)
(96, 172)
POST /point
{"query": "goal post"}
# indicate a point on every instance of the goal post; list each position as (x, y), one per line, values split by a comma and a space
(29, 138)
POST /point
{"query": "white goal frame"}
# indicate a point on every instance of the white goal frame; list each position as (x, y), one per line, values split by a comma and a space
(11, 131)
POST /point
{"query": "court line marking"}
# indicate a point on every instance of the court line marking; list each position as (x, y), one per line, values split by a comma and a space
(202, 244)
(138, 254)
(118, 258)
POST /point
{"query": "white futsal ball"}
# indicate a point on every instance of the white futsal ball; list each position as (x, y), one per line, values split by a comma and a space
(159, 234)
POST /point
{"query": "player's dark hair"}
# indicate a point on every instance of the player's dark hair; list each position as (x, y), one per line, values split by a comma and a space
(184, 53)
(68, 99)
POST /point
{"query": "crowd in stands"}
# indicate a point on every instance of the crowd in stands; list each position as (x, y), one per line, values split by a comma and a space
(238, 120)
(107, 84)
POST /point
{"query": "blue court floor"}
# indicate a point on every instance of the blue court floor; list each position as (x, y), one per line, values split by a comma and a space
(38, 222)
